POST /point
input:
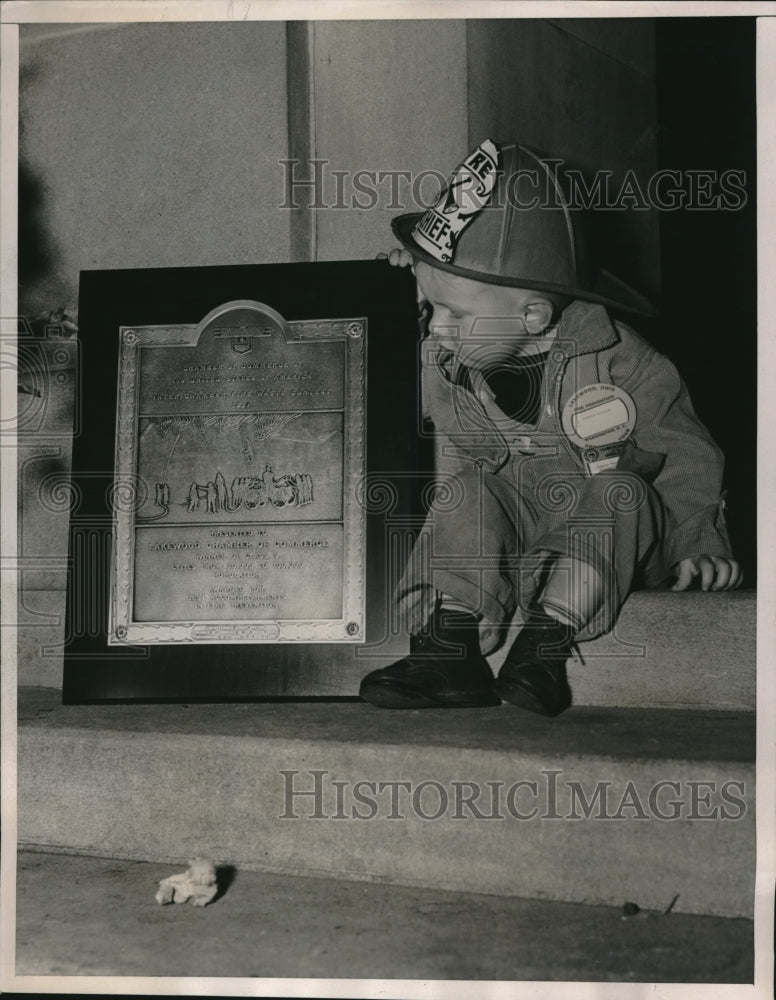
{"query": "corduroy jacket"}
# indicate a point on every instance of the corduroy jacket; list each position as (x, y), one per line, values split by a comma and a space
(669, 448)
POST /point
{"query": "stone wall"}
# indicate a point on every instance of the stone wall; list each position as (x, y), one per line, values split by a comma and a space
(152, 145)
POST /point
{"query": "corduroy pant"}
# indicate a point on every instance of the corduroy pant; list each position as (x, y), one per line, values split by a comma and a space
(486, 544)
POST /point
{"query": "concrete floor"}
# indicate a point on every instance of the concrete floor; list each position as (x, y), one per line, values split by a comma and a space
(164, 783)
(94, 916)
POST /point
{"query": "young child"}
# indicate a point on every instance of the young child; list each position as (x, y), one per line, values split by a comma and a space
(571, 462)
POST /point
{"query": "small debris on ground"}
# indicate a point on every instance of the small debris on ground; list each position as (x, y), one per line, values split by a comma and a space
(198, 884)
(630, 909)
(672, 903)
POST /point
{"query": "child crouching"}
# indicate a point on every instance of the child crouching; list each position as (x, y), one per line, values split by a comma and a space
(576, 465)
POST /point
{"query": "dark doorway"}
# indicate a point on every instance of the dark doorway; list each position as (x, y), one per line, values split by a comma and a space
(706, 102)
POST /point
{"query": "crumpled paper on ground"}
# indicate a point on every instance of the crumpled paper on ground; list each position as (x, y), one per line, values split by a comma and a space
(198, 884)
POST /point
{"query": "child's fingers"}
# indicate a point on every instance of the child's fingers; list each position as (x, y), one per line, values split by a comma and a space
(736, 576)
(715, 573)
(687, 573)
(708, 571)
(724, 573)
(399, 257)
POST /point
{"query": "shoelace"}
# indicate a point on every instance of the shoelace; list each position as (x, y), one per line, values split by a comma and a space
(574, 646)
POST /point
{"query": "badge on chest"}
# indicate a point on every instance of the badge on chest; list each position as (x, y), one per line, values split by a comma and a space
(599, 419)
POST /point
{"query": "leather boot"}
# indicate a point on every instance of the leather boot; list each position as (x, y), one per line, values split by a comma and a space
(444, 669)
(533, 675)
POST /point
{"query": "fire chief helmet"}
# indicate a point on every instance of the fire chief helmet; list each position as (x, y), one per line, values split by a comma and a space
(504, 219)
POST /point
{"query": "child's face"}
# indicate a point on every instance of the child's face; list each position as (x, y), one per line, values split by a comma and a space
(481, 324)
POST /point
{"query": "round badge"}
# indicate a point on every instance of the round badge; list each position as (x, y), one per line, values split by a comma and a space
(598, 415)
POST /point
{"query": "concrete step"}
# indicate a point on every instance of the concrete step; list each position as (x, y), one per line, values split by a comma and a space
(689, 650)
(671, 650)
(274, 787)
(82, 916)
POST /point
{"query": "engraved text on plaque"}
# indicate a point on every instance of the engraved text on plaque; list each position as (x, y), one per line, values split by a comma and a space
(238, 445)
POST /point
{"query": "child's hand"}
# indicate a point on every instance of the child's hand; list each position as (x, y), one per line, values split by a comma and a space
(398, 257)
(715, 573)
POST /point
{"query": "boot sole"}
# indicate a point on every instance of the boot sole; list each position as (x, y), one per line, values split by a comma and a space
(396, 696)
(523, 697)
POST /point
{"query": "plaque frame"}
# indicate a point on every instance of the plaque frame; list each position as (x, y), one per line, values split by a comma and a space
(123, 629)
(399, 469)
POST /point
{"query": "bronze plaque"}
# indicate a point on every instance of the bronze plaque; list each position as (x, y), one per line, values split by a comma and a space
(239, 443)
